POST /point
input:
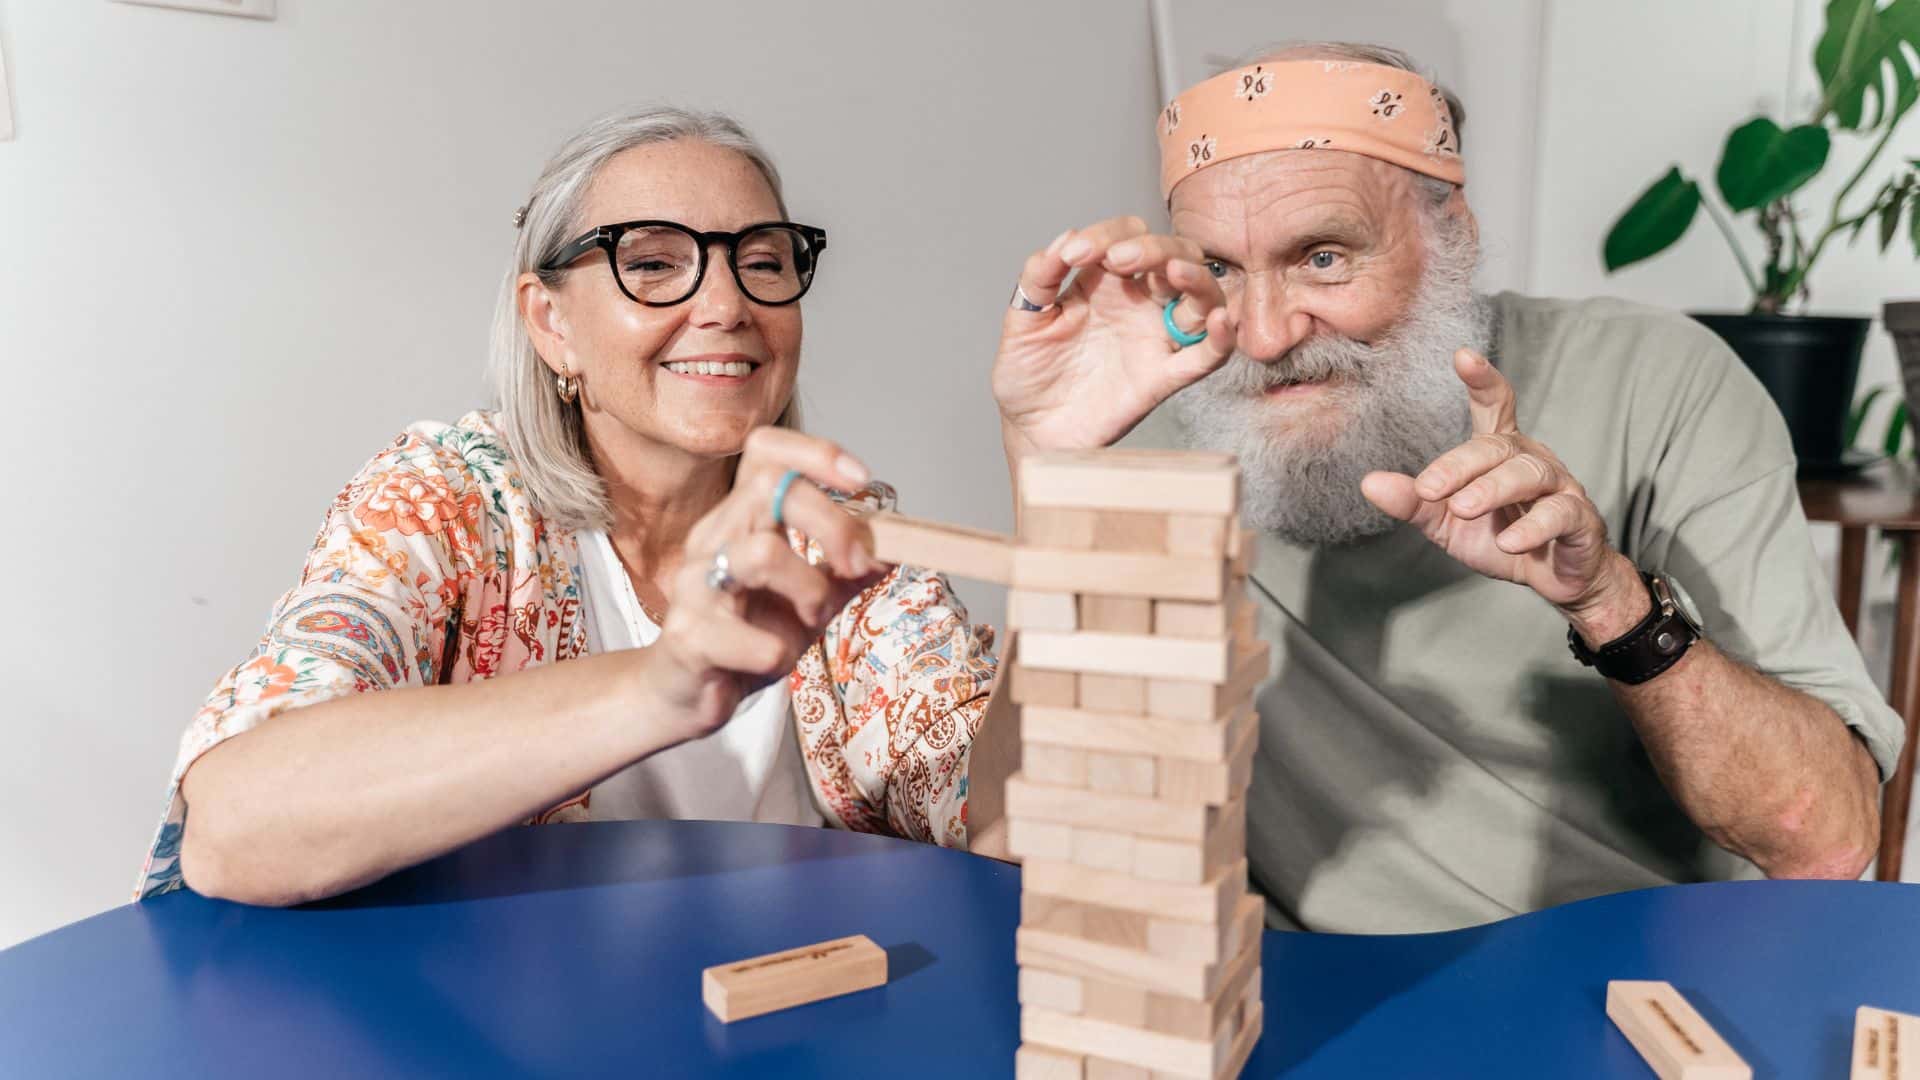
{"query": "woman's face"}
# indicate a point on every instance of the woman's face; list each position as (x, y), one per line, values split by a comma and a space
(621, 350)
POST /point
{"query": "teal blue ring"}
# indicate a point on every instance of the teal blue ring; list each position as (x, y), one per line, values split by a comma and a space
(1180, 337)
(780, 495)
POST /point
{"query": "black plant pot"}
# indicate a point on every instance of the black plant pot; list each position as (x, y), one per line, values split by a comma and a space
(1808, 363)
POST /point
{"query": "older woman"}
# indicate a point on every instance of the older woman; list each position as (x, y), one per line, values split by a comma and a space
(626, 593)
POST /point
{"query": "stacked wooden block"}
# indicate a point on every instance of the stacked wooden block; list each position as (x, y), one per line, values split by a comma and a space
(1137, 661)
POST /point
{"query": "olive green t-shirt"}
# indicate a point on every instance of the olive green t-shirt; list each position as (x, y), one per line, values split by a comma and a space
(1431, 756)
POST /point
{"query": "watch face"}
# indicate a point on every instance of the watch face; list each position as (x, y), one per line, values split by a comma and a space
(1681, 600)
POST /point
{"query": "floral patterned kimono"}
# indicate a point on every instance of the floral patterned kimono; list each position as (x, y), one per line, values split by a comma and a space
(434, 567)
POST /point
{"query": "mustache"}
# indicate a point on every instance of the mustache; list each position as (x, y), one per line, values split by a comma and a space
(1321, 358)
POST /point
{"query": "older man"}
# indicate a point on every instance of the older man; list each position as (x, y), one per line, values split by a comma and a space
(1480, 518)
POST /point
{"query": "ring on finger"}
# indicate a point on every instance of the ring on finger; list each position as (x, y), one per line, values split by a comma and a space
(1021, 302)
(780, 496)
(720, 575)
(1180, 337)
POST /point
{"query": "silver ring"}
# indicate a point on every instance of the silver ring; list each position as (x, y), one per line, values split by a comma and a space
(720, 575)
(1021, 303)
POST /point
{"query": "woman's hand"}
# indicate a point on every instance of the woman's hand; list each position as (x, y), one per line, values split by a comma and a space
(1082, 374)
(719, 645)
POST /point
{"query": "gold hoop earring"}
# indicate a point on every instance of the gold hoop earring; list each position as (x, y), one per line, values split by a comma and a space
(566, 384)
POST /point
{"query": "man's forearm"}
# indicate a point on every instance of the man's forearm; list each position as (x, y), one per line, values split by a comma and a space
(1768, 772)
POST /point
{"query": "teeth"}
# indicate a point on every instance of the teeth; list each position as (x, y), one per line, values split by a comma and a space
(738, 369)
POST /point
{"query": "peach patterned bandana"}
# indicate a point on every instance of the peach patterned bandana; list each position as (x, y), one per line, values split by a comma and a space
(1382, 112)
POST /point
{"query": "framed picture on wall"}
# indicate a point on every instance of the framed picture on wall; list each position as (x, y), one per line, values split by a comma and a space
(252, 9)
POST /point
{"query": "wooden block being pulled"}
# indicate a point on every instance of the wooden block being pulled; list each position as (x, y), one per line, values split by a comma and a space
(1886, 1044)
(1211, 903)
(1030, 610)
(949, 549)
(1116, 614)
(764, 984)
(1028, 798)
(1032, 1062)
(1136, 734)
(1167, 481)
(1119, 573)
(1141, 655)
(1677, 1043)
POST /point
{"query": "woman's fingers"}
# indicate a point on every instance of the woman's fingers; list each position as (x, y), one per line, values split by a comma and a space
(771, 451)
(763, 562)
(1042, 276)
(846, 541)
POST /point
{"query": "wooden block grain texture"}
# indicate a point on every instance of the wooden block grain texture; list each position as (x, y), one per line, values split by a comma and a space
(764, 984)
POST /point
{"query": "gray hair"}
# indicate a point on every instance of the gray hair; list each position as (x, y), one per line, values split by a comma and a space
(1438, 191)
(544, 434)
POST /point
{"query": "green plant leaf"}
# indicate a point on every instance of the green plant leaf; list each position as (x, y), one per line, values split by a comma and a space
(1890, 222)
(1858, 417)
(1896, 427)
(1655, 220)
(1761, 163)
(1858, 52)
(1913, 223)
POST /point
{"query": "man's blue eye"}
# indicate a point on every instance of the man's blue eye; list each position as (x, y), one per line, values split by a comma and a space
(1322, 260)
(1216, 268)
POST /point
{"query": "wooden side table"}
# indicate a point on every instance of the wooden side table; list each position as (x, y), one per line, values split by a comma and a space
(1885, 497)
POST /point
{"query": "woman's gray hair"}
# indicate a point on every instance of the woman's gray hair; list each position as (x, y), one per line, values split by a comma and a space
(1438, 191)
(544, 434)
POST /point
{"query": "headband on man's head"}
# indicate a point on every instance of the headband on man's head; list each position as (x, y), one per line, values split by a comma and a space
(1372, 109)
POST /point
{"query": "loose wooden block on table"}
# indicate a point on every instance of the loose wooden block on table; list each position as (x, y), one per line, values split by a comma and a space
(1116, 614)
(1036, 687)
(1123, 733)
(1031, 610)
(1212, 902)
(969, 553)
(1676, 1041)
(1141, 816)
(1214, 783)
(1119, 573)
(1112, 693)
(1121, 774)
(1167, 481)
(1886, 1044)
(1142, 655)
(763, 984)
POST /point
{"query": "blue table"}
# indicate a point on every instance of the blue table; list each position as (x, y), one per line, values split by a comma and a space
(571, 950)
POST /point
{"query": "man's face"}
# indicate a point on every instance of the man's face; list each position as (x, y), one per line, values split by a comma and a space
(1350, 291)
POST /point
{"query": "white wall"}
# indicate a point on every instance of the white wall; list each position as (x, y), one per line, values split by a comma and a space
(237, 256)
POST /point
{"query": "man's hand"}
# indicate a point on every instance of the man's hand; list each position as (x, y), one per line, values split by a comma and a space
(1503, 505)
(1082, 374)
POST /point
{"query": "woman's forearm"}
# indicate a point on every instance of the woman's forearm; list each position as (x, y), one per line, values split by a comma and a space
(319, 800)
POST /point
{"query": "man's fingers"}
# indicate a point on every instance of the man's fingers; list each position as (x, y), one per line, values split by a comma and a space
(1464, 464)
(1550, 519)
(1149, 253)
(1393, 493)
(1199, 291)
(1489, 395)
(1520, 479)
(1087, 246)
(1043, 274)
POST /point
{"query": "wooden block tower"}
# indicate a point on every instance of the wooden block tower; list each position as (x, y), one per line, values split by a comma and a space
(1137, 661)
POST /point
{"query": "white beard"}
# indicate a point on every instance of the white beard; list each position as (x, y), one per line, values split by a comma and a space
(1393, 405)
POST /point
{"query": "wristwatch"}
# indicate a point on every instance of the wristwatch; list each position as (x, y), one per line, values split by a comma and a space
(1652, 647)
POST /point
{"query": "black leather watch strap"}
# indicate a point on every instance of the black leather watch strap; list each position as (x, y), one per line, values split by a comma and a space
(1650, 648)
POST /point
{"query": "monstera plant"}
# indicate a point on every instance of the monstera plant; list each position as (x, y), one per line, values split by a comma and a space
(1868, 63)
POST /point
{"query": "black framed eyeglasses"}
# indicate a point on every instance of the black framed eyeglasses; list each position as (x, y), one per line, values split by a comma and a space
(662, 263)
